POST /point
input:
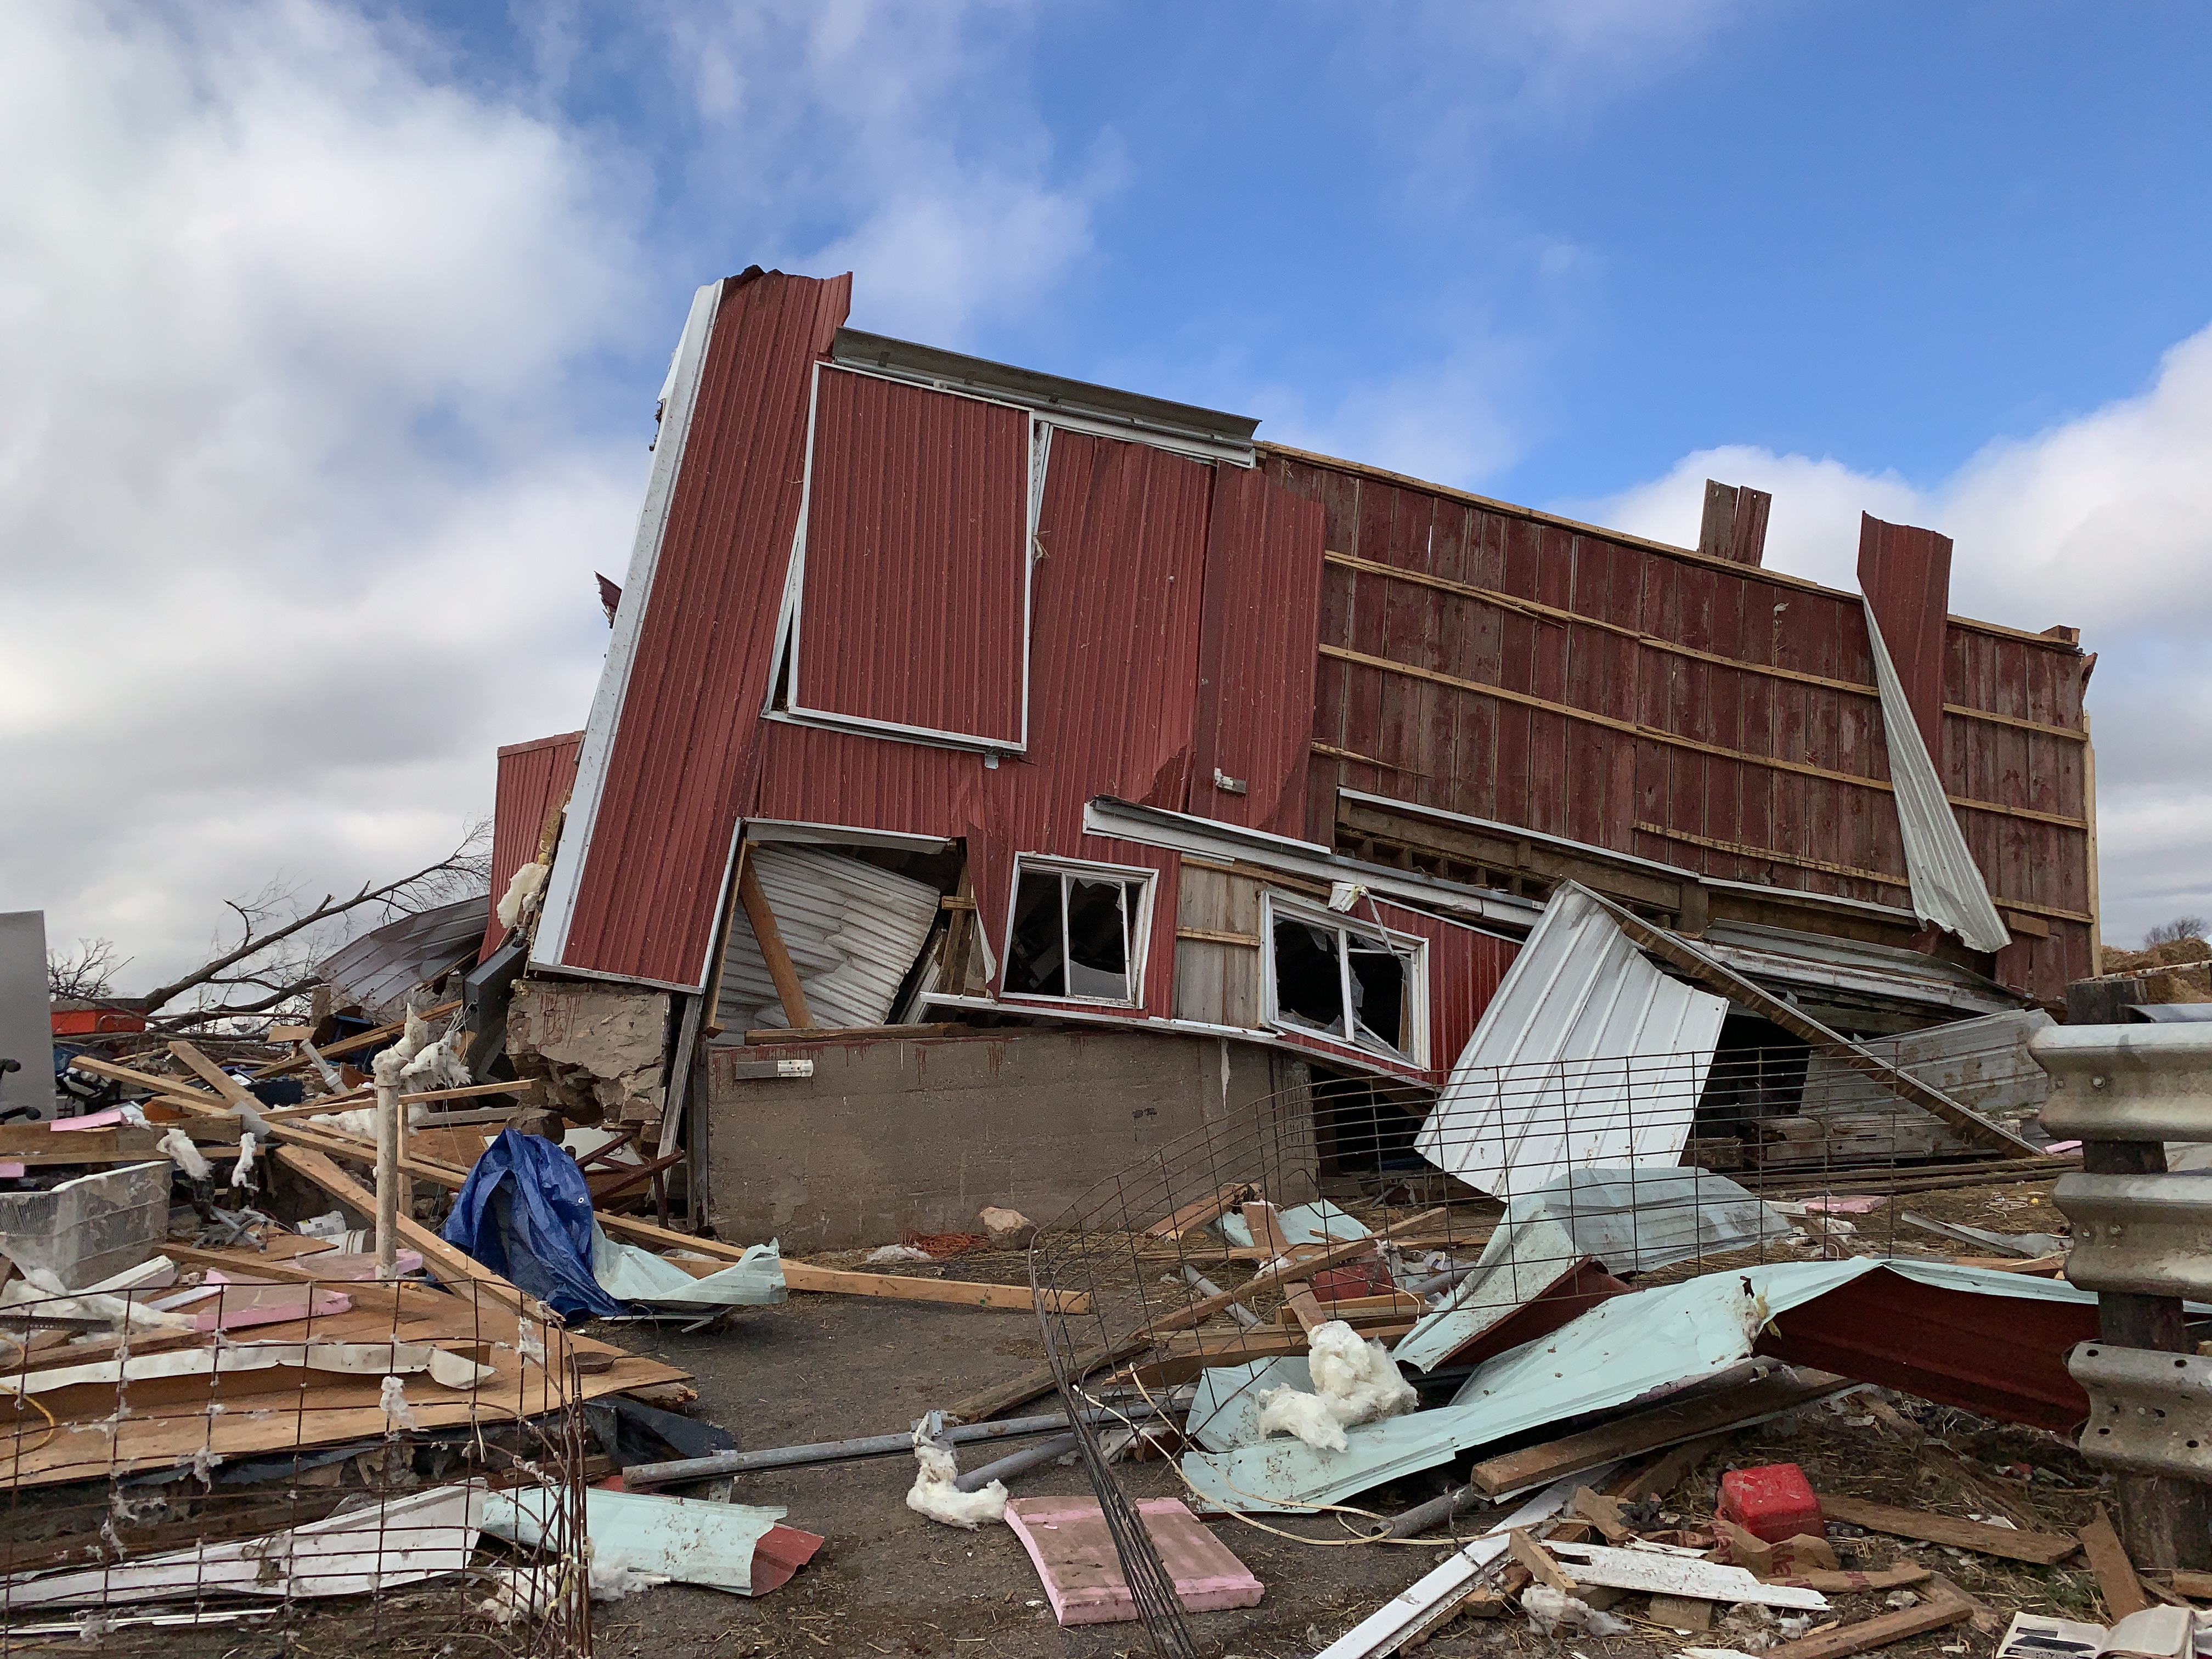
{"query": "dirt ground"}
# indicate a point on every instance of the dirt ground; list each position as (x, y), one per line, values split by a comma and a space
(890, 1581)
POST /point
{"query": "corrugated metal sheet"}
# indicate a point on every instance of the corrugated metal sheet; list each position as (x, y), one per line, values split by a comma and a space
(634, 897)
(1263, 582)
(1947, 884)
(1587, 1055)
(534, 778)
(1655, 1341)
(853, 931)
(379, 968)
(913, 608)
(1505, 665)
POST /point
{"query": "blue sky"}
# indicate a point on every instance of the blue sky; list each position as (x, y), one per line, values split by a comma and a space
(334, 332)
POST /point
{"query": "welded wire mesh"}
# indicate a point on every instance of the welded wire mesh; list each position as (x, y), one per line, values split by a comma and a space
(1460, 1228)
(332, 1464)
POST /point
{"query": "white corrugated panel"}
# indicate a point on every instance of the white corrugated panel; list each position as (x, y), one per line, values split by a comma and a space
(1983, 1064)
(1947, 884)
(378, 970)
(853, 931)
(1587, 1054)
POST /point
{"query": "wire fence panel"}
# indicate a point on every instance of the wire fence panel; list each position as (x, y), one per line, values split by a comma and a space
(331, 1466)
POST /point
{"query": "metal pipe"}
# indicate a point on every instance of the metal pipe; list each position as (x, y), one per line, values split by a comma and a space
(639, 1476)
(1014, 1462)
(1204, 1287)
(387, 1163)
(1413, 1523)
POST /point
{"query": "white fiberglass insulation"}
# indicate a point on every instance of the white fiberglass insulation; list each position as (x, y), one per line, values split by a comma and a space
(1587, 1054)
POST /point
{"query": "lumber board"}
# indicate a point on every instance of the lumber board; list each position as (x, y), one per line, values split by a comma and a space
(175, 1088)
(1198, 1312)
(2116, 1580)
(1199, 1212)
(354, 1043)
(987, 1403)
(1651, 1430)
(35, 1146)
(2042, 1548)
(768, 936)
(214, 1076)
(250, 1265)
(1875, 1632)
(800, 1276)
(521, 1087)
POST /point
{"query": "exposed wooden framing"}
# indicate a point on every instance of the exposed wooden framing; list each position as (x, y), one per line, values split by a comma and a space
(1631, 728)
(960, 923)
(457, 1272)
(1725, 982)
(521, 1087)
(1358, 759)
(1542, 613)
(769, 937)
(1745, 849)
(1216, 936)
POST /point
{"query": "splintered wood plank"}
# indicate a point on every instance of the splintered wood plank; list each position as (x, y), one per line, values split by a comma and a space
(2044, 1549)
(219, 1080)
(1648, 1431)
(1874, 1632)
(2117, 1581)
(1195, 1214)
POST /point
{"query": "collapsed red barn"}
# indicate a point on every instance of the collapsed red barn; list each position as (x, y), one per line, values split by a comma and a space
(1069, 766)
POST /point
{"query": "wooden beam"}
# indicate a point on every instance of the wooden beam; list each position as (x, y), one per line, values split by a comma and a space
(1875, 1632)
(1696, 1420)
(1725, 982)
(1020, 1390)
(1199, 1212)
(221, 1081)
(1659, 734)
(800, 1276)
(352, 1044)
(521, 1086)
(2116, 1580)
(769, 937)
(173, 1088)
(2044, 1549)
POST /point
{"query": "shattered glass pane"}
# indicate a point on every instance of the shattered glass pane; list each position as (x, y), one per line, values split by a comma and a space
(1308, 977)
(1097, 940)
(1035, 952)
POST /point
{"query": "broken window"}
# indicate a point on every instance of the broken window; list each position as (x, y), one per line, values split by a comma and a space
(1339, 979)
(1076, 931)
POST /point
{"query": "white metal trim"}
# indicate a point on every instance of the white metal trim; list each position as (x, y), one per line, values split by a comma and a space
(1315, 915)
(1136, 939)
(791, 625)
(550, 946)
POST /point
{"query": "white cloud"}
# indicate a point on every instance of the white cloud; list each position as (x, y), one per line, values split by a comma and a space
(898, 142)
(293, 531)
(2104, 522)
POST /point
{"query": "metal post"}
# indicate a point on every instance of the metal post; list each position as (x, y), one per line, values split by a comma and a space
(2125, 1090)
(388, 1181)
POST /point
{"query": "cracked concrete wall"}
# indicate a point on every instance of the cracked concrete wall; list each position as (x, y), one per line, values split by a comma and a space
(599, 1051)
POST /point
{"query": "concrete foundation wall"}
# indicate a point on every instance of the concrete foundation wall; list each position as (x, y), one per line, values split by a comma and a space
(895, 1135)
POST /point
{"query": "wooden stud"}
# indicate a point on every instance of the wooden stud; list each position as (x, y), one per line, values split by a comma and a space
(769, 937)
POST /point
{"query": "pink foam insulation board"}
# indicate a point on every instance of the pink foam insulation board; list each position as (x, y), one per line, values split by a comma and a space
(1073, 1553)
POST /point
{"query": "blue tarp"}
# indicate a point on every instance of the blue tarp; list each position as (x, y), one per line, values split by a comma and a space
(525, 1214)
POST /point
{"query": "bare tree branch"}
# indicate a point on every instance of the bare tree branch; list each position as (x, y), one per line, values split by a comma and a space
(260, 932)
(86, 974)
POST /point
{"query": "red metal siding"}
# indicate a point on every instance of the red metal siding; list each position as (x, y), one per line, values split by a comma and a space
(661, 842)
(916, 547)
(1255, 722)
(1906, 574)
(1486, 660)
(534, 778)
(1113, 647)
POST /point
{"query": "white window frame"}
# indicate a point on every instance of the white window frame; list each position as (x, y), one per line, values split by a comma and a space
(1275, 905)
(790, 636)
(1136, 930)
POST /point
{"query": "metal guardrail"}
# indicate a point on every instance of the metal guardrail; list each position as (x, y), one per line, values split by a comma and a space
(2146, 1411)
(2149, 1235)
(2142, 1241)
(2127, 1082)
